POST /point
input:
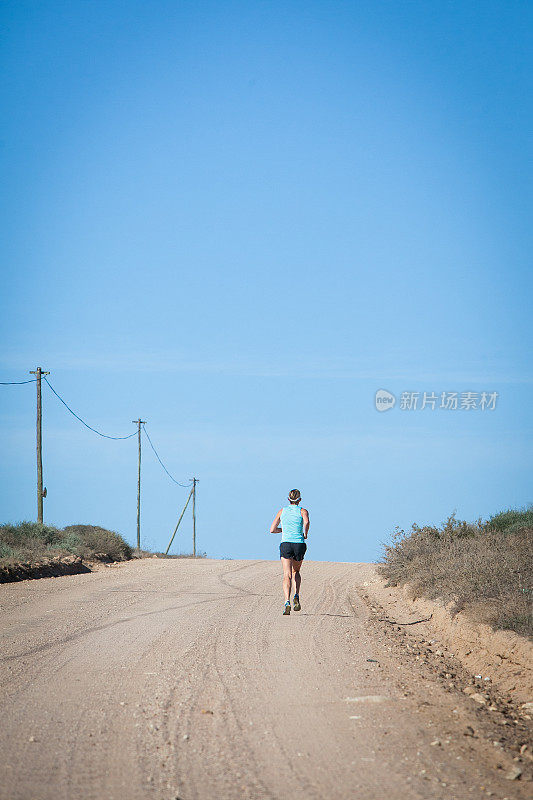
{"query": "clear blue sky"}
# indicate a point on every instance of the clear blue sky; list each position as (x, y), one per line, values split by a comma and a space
(240, 220)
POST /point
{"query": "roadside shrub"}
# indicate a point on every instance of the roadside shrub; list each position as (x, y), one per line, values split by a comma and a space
(30, 541)
(6, 551)
(93, 539)
(71, 542)
(512, 519)
(485, 568)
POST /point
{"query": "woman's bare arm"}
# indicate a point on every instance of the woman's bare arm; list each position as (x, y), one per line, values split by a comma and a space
(274, 528)
(305, 517)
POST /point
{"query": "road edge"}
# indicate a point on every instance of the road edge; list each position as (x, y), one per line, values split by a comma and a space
(503, 656)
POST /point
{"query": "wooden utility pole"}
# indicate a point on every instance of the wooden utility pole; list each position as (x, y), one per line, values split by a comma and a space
(194, 482)
(40, 492)
(139, 422)
(178, 523)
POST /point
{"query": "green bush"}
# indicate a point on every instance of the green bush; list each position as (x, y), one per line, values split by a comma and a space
(512, 519)
(6, 551)
(69, 542)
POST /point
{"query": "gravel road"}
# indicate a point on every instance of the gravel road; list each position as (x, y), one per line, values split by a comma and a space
(182, 679)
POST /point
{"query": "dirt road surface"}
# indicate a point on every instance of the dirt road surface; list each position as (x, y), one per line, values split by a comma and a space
(182, 679)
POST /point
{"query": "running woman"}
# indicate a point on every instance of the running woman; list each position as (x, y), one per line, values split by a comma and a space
(294, 529)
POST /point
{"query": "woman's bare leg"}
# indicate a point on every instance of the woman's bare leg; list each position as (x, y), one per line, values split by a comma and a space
(296, 575)
(287, 577)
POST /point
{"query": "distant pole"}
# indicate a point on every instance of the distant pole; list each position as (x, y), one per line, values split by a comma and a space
(194, 482)
(40, 493)
(139, 422)
(178, 523)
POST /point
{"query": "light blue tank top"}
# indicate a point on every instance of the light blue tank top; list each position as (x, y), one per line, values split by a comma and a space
(292, 524)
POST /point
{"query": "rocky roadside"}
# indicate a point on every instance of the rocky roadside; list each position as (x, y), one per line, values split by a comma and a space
(496, 699)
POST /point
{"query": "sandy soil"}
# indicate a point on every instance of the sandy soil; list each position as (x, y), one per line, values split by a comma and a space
(181, 679)
(503, 658)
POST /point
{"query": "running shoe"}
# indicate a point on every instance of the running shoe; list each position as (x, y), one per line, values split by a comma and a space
(287, 609)
(296, 603)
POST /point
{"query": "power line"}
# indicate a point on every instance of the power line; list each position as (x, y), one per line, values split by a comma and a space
(17, 383)
(103, 435)
(183, 485)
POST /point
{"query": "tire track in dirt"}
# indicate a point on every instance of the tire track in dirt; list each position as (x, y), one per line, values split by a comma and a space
(182, 679)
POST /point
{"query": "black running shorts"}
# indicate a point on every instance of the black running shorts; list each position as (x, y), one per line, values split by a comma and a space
(295, 550)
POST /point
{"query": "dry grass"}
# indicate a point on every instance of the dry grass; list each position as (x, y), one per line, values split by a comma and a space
(29, 542)
(485, 568)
